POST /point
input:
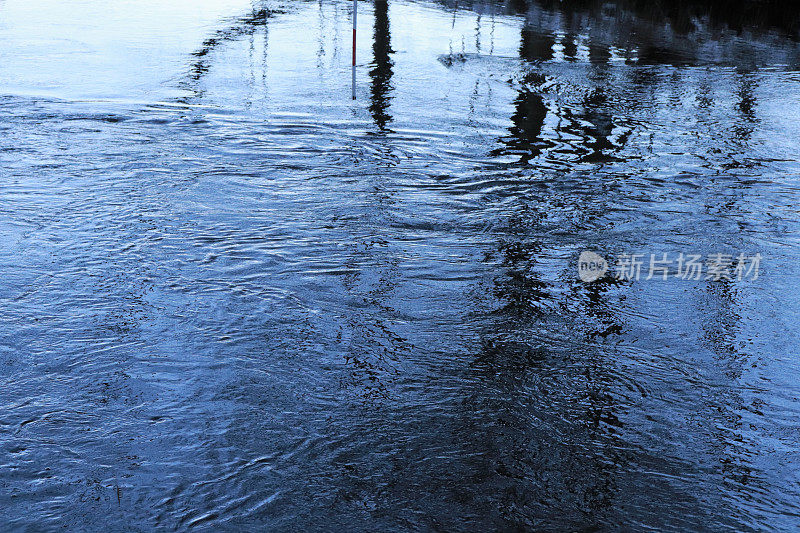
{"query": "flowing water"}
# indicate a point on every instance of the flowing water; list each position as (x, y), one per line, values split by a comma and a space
(232, 298)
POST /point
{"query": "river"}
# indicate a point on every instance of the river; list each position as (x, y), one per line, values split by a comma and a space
(234, 299)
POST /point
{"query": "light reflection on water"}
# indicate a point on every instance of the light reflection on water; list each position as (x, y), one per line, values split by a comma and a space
(233, 298)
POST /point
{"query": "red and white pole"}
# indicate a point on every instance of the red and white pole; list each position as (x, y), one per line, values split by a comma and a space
(355, 16)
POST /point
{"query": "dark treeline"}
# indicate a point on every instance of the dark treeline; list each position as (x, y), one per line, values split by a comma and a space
(737, 15)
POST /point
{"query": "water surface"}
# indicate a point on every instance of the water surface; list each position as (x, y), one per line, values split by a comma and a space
(232, 298)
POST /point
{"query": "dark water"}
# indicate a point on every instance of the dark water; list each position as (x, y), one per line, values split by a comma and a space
(233, 299)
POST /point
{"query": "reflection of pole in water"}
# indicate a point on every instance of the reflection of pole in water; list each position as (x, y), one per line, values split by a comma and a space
(355, 16)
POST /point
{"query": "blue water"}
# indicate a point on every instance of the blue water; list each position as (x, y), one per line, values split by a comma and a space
(232, 298)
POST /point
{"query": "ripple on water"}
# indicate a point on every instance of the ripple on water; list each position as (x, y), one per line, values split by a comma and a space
(233, 298)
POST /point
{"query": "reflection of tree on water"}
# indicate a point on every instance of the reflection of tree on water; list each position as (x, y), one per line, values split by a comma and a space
(527, 120)
(526, 358)
(724, 406)
(240, 27)
(595, 125)
(746, 108)
(525, 139)
(589, 121)
(535, 45)
(519, 288)
(721, 326)
(551, 440)
(374, 348)
(381, 72)
(243, 26)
